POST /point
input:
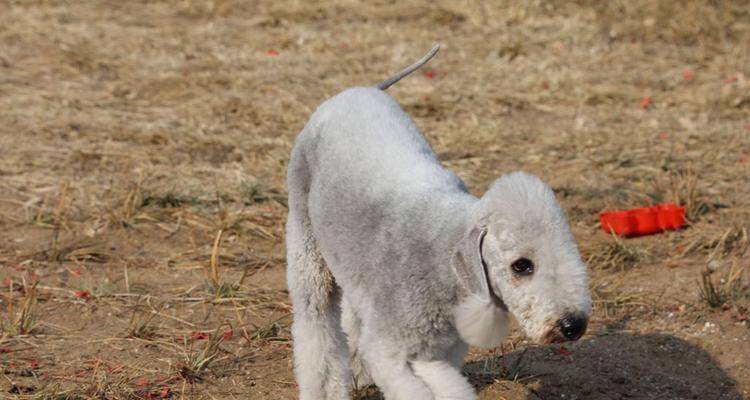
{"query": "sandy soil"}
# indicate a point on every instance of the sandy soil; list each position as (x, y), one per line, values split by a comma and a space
(143, 148)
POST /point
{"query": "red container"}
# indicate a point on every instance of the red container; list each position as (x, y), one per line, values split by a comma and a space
(671, 216)
(619, 222)
(646, 220)
(643, 221)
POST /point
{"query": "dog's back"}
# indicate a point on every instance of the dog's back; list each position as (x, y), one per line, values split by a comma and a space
(363, 134)
(373, 178)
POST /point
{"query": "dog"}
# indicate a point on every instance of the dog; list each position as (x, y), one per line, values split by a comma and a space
(394, 268)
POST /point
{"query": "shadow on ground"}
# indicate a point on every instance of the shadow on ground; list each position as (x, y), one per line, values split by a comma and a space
(612, 366)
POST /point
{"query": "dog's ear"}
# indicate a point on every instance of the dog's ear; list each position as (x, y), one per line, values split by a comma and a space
(481, 316)
(471, 268)
(469, 264)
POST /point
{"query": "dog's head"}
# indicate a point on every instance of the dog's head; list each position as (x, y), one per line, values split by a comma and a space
(520, 256)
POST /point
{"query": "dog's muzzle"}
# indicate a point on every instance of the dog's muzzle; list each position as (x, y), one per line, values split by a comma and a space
(569, 328)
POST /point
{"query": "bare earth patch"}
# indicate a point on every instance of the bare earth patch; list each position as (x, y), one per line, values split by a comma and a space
(143, 148)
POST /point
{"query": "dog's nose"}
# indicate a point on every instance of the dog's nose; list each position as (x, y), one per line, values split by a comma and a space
(573, 326)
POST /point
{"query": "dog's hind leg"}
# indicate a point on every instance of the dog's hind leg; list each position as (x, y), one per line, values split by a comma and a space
(321, 356)
(352, 327)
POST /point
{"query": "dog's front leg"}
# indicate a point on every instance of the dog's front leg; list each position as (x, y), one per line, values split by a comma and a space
(392, 372)
(445, 381)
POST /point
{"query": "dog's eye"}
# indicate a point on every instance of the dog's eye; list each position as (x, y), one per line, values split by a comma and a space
(523, 266)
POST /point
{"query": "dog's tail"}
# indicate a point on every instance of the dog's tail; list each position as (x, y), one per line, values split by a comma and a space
(408, 70)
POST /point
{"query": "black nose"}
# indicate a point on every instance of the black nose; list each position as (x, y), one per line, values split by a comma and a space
(573, 326)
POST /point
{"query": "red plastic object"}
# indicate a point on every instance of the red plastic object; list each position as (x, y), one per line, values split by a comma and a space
(643, 221)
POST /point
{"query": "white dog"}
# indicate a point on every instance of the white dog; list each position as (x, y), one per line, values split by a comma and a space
(380, 232)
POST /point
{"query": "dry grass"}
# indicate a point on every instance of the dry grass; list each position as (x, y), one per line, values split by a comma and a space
(198, 361)
(728, 288)
(143, 149)
(25, 320)
(713, 241)
(613, 254)
(612, 301)
(663, 21)
(141, 326)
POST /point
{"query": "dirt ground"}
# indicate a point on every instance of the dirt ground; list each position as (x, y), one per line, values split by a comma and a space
(143, 147)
